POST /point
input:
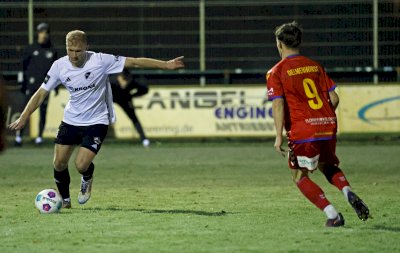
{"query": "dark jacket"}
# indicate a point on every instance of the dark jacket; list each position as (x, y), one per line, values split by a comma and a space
(36, 62)
(133, 89)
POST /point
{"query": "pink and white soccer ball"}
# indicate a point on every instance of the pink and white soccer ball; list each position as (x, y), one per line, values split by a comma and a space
(48, 201)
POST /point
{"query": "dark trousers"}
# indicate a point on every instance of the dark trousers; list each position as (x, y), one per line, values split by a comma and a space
(42, 114)
(129, 109)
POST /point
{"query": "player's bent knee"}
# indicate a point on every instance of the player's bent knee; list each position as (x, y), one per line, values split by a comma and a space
(298, 174)
(296, 179)
(82, 165)
(83, 159)
(60, 165)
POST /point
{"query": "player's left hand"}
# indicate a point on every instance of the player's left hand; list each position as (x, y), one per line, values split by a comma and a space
(176, 63)
(278, 146)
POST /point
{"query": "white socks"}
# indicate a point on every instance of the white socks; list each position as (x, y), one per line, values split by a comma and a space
(18, 139)
(345, 191)
(146, 143)
(330, 212)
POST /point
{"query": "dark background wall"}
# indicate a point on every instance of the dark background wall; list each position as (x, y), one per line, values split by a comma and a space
(239, 34)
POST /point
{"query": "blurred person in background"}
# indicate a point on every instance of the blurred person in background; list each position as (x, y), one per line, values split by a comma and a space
(36, 61)
(2, 114)
(124, 89)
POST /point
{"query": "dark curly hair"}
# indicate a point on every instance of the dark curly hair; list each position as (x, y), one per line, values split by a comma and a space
(289, 34)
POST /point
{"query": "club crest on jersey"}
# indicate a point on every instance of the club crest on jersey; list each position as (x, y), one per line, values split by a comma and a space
(88, 76)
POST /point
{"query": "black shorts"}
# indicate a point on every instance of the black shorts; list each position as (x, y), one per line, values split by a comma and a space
(90, 137)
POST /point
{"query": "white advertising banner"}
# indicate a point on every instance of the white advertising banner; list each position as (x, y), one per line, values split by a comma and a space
(236, 111)
(187, 112)
(372, 108)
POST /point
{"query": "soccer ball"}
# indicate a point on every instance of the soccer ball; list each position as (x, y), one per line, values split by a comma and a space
(48, 201)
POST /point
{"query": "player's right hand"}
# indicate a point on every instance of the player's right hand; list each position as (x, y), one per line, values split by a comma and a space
(278, 146)
(18, 124)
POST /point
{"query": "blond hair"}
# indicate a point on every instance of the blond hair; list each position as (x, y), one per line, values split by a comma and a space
(76, 37)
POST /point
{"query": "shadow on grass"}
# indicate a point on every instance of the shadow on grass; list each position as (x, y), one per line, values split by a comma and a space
(160, 211)
(386, 228)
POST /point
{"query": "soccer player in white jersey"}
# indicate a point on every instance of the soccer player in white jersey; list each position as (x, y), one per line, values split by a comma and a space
(90, 109)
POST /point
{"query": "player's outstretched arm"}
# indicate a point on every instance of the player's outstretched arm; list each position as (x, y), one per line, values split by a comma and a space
(36, 100)
(278, 113)
(176, 63)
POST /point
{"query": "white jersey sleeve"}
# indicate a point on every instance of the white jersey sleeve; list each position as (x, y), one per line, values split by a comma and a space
(113, 63)
(52, 79)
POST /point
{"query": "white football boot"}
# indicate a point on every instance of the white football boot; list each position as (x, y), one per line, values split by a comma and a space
(86, 189)
(66, 203)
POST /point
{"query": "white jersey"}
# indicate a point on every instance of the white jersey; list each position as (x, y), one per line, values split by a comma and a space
(90, 100)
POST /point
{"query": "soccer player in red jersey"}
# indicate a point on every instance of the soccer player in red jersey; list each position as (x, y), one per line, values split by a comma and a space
(304, 102)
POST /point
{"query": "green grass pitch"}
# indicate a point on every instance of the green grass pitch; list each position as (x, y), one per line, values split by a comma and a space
(198, 197)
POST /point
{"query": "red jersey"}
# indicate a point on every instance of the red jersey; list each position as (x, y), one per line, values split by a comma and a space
(304, 86)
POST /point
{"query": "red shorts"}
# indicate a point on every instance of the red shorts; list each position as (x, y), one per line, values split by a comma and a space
(309, 154)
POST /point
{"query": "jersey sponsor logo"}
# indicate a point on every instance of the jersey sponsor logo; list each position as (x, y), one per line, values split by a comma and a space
(321, 121)
(307, 162)
(302, 70)
(46, 79)
(116, 58)
(324, 133)
(68, 80)
(83, 88)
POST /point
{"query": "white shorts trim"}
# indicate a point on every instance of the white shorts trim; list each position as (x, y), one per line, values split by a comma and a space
(307, 162)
